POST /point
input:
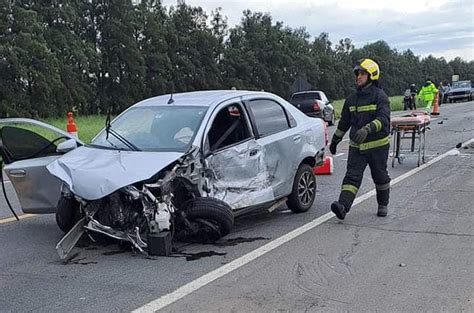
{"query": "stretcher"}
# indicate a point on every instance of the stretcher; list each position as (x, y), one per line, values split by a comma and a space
(411, 128)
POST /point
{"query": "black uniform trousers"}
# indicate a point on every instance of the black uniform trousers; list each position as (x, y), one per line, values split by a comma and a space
(356, 164)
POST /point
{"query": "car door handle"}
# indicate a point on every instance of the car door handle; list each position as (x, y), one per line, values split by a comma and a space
(297, 138)
(17, 173)
(253, 152)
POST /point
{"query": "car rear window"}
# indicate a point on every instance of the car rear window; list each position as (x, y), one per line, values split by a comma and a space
(306, 96)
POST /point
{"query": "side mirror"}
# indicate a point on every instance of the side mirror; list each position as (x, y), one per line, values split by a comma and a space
(66, 146)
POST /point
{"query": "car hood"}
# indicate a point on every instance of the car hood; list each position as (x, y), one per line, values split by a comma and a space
(95, 173)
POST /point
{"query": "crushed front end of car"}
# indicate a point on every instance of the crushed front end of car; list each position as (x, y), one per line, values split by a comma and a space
(150, 214)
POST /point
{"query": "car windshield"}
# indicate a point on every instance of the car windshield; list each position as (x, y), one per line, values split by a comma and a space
(157, 128)
(462, 85)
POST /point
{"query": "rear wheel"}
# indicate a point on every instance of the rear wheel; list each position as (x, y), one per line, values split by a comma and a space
(304, 190)
(67, 213)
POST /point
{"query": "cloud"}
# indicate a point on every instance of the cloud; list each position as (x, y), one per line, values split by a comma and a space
(438, 27)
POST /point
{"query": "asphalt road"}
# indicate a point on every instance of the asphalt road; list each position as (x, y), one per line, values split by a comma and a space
(419, 258)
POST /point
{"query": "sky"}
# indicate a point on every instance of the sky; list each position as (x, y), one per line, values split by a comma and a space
(441, 28)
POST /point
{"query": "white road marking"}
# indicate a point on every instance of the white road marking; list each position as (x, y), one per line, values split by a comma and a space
(339, 154)
(206, 279)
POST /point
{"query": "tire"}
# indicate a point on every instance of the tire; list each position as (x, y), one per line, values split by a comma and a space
(211, 210)
(304, 177)
(67, 213)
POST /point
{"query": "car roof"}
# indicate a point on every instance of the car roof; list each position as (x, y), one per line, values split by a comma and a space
(207, 98)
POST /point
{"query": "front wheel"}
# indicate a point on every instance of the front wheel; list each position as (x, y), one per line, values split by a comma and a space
(211, 218)
(67, 213)
(304, 190)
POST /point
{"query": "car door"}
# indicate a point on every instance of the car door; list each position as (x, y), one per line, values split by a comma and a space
(234, 161)
(277, 133)
(27, 147)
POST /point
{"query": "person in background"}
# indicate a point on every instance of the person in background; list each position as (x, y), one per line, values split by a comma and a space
(408, 100)
(427, 94)
(414, 92)
(442, 92)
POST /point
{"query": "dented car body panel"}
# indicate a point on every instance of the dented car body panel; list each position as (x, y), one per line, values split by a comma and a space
(239, 175)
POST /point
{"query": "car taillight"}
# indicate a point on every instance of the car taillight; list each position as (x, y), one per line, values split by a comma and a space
(326, 133)
(316, 107)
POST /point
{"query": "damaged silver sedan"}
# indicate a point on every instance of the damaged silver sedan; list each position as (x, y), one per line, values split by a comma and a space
(173, 167)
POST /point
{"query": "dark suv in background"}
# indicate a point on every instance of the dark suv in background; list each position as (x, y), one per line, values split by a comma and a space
(314, 103)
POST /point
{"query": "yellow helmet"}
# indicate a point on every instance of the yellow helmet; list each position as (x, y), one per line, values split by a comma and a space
(370, 67)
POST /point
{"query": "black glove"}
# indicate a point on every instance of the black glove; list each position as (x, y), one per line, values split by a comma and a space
(334, 142)
(360, 135)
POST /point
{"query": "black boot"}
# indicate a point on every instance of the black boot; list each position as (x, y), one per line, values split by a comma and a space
(382, 211)
(338, 209)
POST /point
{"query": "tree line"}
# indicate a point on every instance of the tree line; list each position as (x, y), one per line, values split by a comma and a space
(97, 56)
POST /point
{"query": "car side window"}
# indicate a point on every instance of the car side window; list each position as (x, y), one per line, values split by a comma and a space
(270, 117)
(228, 128)
(21, 143)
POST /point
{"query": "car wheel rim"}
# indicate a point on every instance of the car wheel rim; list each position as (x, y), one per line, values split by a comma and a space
(306, 188)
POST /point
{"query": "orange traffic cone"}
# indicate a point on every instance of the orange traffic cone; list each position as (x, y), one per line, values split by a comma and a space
(71, 125)
(327, 168)
(436, 105)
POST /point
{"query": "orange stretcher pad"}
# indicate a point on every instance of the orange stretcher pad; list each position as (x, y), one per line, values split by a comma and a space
(416, 119)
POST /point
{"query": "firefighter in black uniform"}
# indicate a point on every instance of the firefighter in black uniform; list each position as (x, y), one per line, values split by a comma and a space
(367, 113)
